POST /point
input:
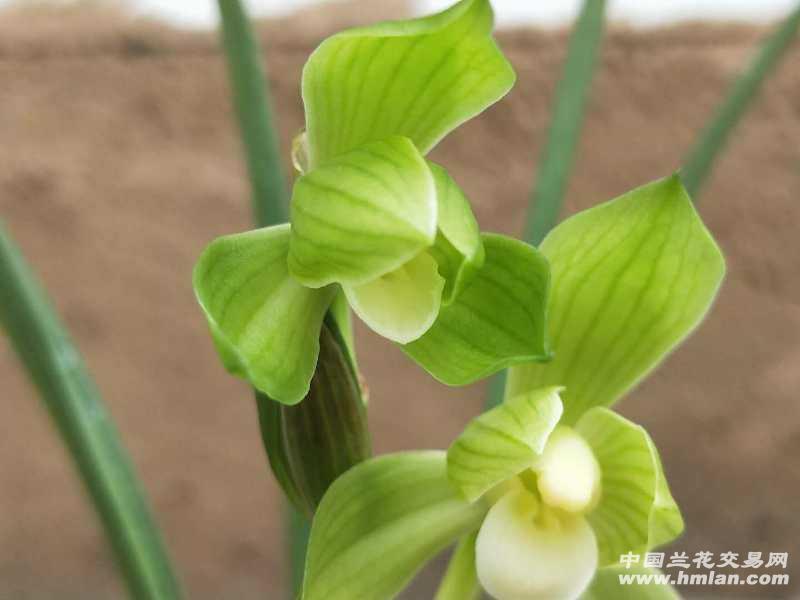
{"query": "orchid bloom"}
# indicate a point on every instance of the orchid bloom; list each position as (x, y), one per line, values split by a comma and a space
(548, 490)
(376, 223)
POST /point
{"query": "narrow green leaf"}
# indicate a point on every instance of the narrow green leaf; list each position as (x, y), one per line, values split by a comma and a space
(636, 511)
(458, 249)
(497, 320)
(503, 442)
(606, 585)
(460, 581)
(254, 114)
(558, 155)
(398, 507)
(572, 93)
(362, 215)
(66, 388)
(745, 89)
(265, 325)
(631, 279)
(419, 79)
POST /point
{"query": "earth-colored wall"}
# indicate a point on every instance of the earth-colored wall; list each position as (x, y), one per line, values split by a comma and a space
(119, 162)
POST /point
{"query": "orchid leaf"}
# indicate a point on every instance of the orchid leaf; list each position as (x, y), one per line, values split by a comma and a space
(631, 279)
(647, 584)
(362, 215)
(497, 320)
(399, 509)
(265, 325)
(458, 248)
(636, 511)
(403, 304)
(460, 581)
(503, 442)
(419, 78)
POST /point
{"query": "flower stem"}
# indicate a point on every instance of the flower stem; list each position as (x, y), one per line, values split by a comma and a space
(56, 368)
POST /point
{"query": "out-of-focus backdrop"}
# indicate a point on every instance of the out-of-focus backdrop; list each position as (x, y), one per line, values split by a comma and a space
(119, 161)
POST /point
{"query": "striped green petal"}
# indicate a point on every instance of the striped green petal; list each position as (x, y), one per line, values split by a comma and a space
(419, 78)
(631, 279)
(503, 442)
(497, 320)
(636, 511)
(362, 215)
(643, 585)
(380, 522)
(265, 325)
(458, 248)
(403, 304)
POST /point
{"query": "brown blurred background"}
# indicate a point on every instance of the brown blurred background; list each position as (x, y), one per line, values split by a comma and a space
(119, 161)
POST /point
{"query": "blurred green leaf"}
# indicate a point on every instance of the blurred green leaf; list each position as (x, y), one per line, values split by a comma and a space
(460, 581)
(419, 79)
(254, 114)
(636, 511)
(632, 278)
(502, 442)
(399, 508)
(497, 320)
(745, 89)
(56, 367)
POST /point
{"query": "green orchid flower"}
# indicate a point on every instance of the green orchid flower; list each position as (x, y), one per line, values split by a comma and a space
(546, 491)
(375, 222)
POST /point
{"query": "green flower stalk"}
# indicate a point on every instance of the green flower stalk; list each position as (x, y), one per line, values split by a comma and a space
(373, 220)
(556, 485)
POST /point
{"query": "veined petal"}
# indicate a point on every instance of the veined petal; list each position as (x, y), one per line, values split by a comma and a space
(502, 442)
(458, 248)
(419, 78)
(403, 304)
(362, 215)
(397, 508)
(631, 279)
(265, 325)
(636, 511)
(526, 552)
(497, 320)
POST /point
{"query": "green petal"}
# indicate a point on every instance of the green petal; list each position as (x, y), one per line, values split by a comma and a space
(265, 325)
(380, 523)
(419, 79)
(460, 581)
(497, 320)
(636, 511)
(458, 248)
(362, 215)
(631, 279)
(606, 585)
(403, 304)
(502, 442)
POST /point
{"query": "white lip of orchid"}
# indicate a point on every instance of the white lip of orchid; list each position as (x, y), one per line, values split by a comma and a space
(568, 472)
(528, 551)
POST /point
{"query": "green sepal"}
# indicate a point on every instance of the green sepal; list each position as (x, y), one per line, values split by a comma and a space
(632, 278)
(458, 248)
(606, 585)
(362, 215)
(503, 442)
(636, 511)
(380, 523)
(460, 581)
(496, 321)
(419, 78)
(264, 324)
